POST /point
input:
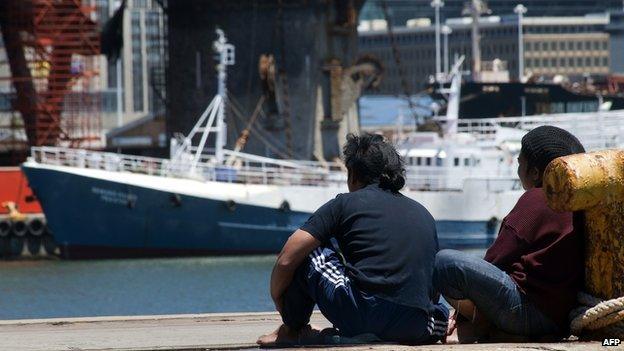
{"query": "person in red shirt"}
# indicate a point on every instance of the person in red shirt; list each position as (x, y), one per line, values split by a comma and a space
(527, 283)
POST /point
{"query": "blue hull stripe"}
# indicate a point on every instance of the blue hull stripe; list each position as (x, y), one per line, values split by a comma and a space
(84, 212)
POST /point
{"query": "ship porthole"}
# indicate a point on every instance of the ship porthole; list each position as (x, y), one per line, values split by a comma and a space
(231, 205)
(285, 206)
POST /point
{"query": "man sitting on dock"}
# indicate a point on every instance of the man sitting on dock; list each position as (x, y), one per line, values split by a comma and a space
(379, 279)
(526, 285)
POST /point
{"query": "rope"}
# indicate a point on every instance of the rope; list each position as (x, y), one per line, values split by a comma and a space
(276, 148)
(594, 314)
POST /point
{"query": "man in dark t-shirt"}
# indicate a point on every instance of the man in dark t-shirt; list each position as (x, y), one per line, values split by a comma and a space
(378, 280)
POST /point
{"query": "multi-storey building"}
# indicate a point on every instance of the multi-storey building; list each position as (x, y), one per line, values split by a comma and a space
(142, 62)
(616, 42)
(400, 10)
(553, 46)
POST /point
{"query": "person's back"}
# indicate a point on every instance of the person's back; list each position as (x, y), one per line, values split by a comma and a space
(527, 283)
(388, 241)
(549, 266)
(380, 280)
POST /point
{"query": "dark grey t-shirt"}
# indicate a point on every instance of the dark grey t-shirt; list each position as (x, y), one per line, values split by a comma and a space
(388, 240)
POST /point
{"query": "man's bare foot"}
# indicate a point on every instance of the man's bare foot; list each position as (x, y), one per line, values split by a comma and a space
(469, 332)
(450, 336)
(282, 335)
(285, 336)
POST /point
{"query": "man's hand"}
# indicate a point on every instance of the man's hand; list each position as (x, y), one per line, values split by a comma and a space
(298, 246)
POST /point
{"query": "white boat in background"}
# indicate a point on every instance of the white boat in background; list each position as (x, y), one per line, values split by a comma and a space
(214, 200)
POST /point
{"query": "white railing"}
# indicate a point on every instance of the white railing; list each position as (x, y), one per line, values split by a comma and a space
(596, 130)
(454, 178)
(249, 171)
(260, 171)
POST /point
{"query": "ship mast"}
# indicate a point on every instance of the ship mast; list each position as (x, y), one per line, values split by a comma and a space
(226, 58)
(213, 118)
(453, 95)
(475, 8)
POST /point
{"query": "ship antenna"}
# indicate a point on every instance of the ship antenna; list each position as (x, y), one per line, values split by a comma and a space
(213, 117)
(226, 58)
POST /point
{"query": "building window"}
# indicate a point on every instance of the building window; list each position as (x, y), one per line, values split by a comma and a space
(456, 162)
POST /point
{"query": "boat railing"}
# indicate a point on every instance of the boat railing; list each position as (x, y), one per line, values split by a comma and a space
(596, 130)
(258, 171)
(454, 178)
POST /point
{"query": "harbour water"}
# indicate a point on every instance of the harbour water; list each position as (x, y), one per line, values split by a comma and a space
(51, 288)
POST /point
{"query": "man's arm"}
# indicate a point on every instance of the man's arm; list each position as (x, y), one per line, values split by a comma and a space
(507, 249)
(298, 246)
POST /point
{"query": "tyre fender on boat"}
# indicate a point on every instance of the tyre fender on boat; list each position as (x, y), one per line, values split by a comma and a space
(36, 226)
(19, 227)
(5, 227)
(231, 205)
(492, 225)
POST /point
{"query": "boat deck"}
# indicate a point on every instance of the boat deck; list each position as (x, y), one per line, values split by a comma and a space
(191, 332)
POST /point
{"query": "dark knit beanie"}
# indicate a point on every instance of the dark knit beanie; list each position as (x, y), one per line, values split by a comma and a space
(546, 143)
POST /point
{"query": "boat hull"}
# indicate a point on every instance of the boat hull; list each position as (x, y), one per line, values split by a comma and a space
(96, 217)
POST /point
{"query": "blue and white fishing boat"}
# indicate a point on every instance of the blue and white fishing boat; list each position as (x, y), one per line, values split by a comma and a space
(208, 199)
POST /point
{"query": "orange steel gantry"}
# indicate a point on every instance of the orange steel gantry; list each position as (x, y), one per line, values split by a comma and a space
(51, 64)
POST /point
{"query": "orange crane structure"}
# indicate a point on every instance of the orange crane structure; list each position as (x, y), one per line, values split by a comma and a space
(48, 76)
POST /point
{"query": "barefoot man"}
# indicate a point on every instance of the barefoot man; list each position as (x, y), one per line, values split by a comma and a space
(378, 280)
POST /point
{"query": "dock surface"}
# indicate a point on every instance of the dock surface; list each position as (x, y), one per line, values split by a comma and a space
(191, 332)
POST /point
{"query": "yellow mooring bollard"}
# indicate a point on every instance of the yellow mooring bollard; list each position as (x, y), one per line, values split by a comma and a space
(594, 183)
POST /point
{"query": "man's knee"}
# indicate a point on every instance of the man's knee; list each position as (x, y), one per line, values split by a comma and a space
(446, 263)
(448, 272)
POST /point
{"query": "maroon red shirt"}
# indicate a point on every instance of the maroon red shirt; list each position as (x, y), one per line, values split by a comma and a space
(542, 251)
